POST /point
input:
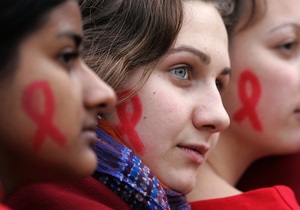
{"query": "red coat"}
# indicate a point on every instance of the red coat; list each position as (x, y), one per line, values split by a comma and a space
(81, 195)
(275, 198)
(2, 207)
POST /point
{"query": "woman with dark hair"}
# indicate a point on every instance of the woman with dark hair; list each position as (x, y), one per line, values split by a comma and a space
(49, 97)
(263, 102)
(168, 64)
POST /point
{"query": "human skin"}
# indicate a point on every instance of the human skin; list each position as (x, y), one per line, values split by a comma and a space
(269, 51)
(51, 79)
(181, 112)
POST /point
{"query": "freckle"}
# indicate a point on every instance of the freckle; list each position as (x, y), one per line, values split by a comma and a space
(154, 92)
(145, 118)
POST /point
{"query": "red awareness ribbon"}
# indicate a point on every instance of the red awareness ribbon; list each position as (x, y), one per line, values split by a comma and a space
(249, 101)
(128, 121)
(43, 120)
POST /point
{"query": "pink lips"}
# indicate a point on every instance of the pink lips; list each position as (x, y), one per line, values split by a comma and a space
(194, 153)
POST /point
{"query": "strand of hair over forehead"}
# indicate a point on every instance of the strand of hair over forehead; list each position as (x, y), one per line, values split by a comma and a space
(226, 8)
(112, 42)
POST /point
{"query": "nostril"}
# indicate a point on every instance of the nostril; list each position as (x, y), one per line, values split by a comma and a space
(212, 127)
(102, 105)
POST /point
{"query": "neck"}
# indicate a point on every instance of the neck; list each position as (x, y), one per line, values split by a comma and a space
(224, 167)
(210, 185)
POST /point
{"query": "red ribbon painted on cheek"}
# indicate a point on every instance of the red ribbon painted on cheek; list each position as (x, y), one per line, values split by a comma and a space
(249, 101)
(128, 121)
(43, 120)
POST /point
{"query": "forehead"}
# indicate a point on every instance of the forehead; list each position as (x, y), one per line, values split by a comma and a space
(269, 13)
(203, 29)
(64, 17)
(286, 10)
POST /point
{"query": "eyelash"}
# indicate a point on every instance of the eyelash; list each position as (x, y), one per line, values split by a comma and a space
(288, 48)
(185, 68)
(220, 85)
(67, 58)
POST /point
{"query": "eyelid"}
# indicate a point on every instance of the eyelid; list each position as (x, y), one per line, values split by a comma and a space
(224, 80)
(68, 56)
(288, 48)
(290, 42)
(183, 66)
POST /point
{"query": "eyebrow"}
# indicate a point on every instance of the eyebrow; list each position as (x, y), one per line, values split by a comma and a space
(205, 58)
(202, 56)
(283, 26)
(70, 35)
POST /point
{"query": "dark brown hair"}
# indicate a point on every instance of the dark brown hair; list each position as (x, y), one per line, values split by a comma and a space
(246, 14)
(121, 36)
(19, 19)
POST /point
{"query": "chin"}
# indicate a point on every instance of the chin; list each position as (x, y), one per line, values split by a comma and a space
(183, 188)
(84, 166)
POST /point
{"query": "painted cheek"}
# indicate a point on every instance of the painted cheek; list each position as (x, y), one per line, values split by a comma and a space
(129, 120)
(249, 101)
(43, 119)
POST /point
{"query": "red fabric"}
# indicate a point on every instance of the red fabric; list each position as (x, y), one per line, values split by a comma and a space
(81, 195)
(266, 172)
(110, 130)
(2, 207)
(278, 197)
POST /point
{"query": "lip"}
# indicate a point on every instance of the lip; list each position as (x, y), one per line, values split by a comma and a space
(297, 113)
(89, 134)
(195, 153)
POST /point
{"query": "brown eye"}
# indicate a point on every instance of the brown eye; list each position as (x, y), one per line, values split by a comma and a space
(219, 85)
(67, 58)
(288, 46)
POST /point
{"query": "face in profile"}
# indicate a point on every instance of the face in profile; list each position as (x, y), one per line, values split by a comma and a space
(265, 81)
(49, 106)
(177, 115)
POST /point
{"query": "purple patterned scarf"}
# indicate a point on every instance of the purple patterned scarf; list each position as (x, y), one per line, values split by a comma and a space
(125, 174)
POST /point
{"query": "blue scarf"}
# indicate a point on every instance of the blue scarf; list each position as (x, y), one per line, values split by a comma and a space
(123, 172)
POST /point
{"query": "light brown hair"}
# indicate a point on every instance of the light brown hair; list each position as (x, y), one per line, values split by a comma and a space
(120, 36)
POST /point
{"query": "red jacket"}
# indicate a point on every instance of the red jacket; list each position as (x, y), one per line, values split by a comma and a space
(81, 195)
(275, 198)
(2, 207)
(270, 171)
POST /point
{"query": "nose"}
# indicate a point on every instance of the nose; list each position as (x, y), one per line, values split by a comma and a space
(97, 95)
(210, 113)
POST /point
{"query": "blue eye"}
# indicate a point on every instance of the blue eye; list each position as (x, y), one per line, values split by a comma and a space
(181, 72)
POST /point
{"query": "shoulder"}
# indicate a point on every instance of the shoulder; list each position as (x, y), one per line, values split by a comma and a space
(84, 194)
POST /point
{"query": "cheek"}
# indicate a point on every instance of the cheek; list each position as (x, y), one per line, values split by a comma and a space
(129, 114)
(42, 113)
(249, 92)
